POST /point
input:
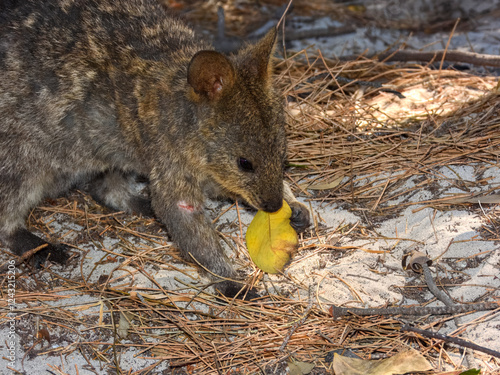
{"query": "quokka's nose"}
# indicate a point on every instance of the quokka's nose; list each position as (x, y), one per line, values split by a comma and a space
(272, 206)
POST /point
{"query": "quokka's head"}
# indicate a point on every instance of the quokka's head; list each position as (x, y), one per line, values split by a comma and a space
(241, 120)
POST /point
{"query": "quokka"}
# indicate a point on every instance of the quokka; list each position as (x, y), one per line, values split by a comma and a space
(102, 93)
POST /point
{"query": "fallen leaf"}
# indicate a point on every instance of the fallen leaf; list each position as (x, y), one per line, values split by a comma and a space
(409, 361)
(43, 334)
(300, 368)
(124, 324)
(271, 241)
(324, 186)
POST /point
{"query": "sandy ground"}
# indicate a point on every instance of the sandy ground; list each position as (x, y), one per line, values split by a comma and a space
(363, 273)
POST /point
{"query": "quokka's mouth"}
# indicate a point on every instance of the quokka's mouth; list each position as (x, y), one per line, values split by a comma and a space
(273, 208)
(270, 205)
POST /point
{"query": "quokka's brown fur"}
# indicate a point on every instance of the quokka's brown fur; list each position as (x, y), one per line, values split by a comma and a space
(106, 92)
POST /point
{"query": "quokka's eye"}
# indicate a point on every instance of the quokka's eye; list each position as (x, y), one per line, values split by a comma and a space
(245, 165)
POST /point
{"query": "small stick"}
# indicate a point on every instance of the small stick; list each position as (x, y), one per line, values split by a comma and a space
(438, 293)
(337, 311)
(443, 297)
(454, 340)
(449, 55)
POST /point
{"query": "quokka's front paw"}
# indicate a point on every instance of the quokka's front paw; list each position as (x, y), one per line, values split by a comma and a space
(301, 219)
(23, 243)
(56, 253)
(231, 289)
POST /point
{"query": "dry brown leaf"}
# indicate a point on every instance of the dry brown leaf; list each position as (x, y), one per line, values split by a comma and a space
(409, 361)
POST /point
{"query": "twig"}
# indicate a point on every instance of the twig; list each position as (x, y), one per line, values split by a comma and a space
(337, 311)
(438, 293)
(443, 297)
(454, 340)
(453, 56)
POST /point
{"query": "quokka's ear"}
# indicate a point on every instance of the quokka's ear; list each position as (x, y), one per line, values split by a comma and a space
(259, 62)
(210, 74)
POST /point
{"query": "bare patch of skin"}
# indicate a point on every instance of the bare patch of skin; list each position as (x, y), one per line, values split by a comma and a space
(186, 207)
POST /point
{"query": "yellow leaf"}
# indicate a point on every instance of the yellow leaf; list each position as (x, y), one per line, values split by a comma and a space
(271, 241)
